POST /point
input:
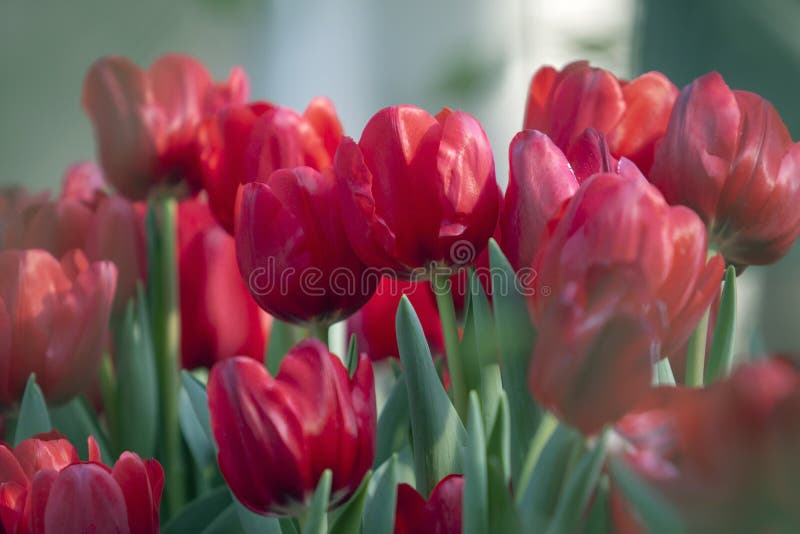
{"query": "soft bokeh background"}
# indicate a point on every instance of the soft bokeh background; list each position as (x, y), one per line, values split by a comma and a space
(476, 55)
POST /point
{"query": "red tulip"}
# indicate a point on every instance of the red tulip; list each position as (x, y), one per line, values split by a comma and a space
(145, 121)
(632, 115)
(45, 488)
(725, 456)
(219, 319)
(293, 252)
(53, 320)
(244, 142)
(728, 156)
(438, 168)
(440, 514)
(374, 324)
(276, 436)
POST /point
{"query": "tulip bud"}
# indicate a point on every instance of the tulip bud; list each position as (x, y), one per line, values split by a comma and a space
(441, 513)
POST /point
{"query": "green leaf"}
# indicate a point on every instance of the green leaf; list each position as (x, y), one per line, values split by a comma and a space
(503, 514)
(77, 421)
(317, 513)
(282, 337)
(393, 423)
(437, 431)
(652, 509)
(547, 426)
(720, 357)
(382, 498)
(663, 373)
(200, 512)
(352, 355)
(252, 522)
(225, 523)
(199, 401)
(33, 416)
(200, 447)
(598, 520)
(349, 519)
(499, 445)
(475, 513)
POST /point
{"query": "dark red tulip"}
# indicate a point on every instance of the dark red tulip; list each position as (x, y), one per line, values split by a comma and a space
(45, 488)
(276, 436)
(632, 115)
(724, 456)
(728, 156)
(53, 321)
(440, 514)
(145, 121)
(374, 324)
(438, 168)
(219, 319)
(293, 252)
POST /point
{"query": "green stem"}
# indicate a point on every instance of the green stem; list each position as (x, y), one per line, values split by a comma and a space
(320, 331)
(696, 353)
(547, 425)
(447, 315)
(107, 391)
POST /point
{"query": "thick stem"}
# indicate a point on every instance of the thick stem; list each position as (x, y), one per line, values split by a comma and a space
(320, 331)
(447, 315)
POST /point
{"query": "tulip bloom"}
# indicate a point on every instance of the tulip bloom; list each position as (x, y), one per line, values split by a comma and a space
(293, 252)
(53, 321)
(440, 514)
(145, 121)
(45, 488)
(632, 115)
(724, 456)
(728, 156)
(438, 168)
(276, 436)
(219, 319)
(242, 143)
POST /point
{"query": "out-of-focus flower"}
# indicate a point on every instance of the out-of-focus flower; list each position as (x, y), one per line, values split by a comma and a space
(728, 156)
(276, 436)
(53, 321)
(45, 488)
(725, 456)
(219, 319)
(145, 121)
(440, 514)
(632, 115)
(293, 252)
(242, 143)
(438, 169)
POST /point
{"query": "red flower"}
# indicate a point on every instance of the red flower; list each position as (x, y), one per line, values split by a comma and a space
(728, 156)
(293, 252)
(725, 456)
(145, 121)
(45, 488)
(438, 168)
(374, 324)
(632, 115)
(276, 436)
(242, 143)
(219, 319)
(441, 514)
(53, 321)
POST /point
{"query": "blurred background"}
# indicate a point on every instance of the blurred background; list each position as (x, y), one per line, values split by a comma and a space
(477, 55)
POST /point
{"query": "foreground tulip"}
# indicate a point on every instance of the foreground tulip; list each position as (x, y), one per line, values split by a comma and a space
(293, 252)
(219, 319)
(45, 488)
(728, 156)
(145, 121)
(242, 143)
(438, 168)
(632, 115)
(276, 436)
(725, 457)
(440, 514)
(53, 321)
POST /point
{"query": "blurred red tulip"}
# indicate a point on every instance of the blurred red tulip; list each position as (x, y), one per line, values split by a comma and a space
(440, 514)
(53, 322)
(438, 168)
(728, 156)
(293, 252)
(632, 115)
(145, 121)
(45, 488)
(276, 436)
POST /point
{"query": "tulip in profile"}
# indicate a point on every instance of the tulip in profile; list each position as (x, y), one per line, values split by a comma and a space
(440, 514)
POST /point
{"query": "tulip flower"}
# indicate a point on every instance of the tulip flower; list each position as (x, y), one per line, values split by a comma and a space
(440, 514)
(632, 115)
(242, 143)
(219, 319)
(53, 321)
(728, 156)
(45, 488)
(440, 169)
(726, 456)
(145, 121)
(276, 436)
(293, 252)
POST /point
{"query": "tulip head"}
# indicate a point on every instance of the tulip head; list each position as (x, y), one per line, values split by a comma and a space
(440, 514)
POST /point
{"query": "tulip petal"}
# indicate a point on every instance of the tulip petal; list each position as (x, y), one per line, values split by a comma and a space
(133, 477)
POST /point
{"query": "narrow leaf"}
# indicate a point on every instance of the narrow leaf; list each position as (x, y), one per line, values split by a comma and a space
(200, 447)
(663, 373)
(199, 401)
(503, 514)
(352, 355)
(654, 511)
(475, 511)
(252, 522)
(720, 357)
(393, 423)
(499, 445)
(349, 519)
(200, 512)
(382, 498)
(33, 416)
(317, 514)
(226, 522)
